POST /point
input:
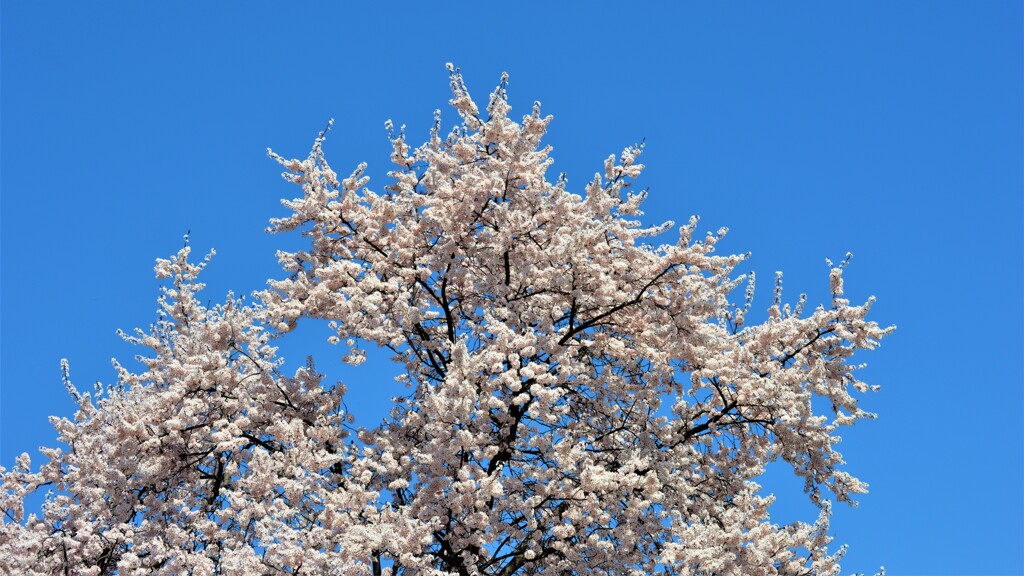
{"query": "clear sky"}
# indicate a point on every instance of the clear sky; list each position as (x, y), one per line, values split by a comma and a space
(891, 130)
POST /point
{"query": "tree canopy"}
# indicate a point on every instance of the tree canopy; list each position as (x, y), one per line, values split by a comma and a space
(581, 400)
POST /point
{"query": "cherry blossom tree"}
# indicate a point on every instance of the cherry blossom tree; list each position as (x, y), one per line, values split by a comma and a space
(580, 399)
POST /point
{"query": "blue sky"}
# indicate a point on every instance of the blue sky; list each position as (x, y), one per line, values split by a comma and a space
(891, 130)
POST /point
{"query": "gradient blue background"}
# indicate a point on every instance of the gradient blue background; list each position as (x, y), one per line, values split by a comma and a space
(892, 130)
